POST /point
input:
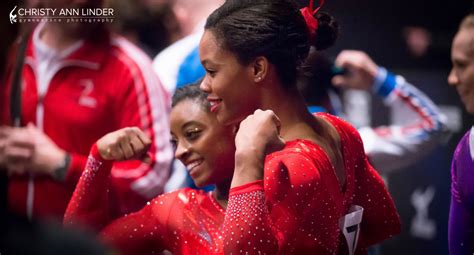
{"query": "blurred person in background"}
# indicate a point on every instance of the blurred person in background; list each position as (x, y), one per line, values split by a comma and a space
(151, 25)
(179, 64)
(78, 82)
(461, 77)
(391, 147)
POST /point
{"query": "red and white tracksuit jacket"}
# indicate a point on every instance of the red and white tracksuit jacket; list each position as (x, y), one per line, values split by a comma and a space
(98, 88)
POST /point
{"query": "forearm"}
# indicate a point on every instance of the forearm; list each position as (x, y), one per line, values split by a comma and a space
(416, 128)
(136, 182)
(247, 226)
(415, 111)
(89, 204)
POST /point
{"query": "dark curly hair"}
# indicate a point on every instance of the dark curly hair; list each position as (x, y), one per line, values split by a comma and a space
(191, 92)
(271, 28)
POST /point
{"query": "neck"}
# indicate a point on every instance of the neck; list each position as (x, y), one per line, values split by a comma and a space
(289, 106)
(221, 193)
(57, 36)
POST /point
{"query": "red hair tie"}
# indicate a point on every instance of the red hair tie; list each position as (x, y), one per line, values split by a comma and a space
(311, 21)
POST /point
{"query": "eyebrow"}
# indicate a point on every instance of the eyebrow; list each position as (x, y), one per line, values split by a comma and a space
(190, 123)
(206, 61)
(217, 64)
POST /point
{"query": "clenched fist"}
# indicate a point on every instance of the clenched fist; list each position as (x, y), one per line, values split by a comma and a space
(126, 143)
(258, 135)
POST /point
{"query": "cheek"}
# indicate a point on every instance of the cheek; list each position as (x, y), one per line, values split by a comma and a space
(222, 85)
(230, 82)
(471, 96)
(470, 78)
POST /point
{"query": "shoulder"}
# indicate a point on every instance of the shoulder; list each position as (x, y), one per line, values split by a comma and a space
(130, 65)
(346, 131)
(471, 142)
(339, 123)
(129, 55)
(298, 157)
(299, 149)
(466, 144)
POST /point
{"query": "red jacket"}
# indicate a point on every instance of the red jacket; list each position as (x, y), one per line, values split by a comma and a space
(100, 87)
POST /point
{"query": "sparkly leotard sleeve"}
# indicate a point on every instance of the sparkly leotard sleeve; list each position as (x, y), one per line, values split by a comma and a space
(91, 208)
(90, 204)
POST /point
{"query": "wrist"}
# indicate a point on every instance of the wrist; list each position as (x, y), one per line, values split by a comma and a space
(59, 173)
(379, 79)
(248, 168)
(248, 158)
(385, 83)
(48, 163)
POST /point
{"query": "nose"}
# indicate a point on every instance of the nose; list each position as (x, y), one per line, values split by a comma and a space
(204, 86)
(453, 79)
(182, 151)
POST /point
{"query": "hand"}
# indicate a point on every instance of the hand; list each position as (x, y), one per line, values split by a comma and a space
(361, 70)
(123, 144)
(18, 150)
(29, 149)
(258, 135)
(4, 134)
(47, 156)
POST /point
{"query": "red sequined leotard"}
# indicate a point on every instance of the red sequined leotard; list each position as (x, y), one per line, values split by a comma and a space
(295, 209)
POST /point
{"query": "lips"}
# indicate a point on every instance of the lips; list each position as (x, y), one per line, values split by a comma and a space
(214, 103)
(193, 164)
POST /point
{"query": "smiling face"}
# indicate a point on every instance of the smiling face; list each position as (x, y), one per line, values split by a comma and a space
(229, 84)
(462, 73)
(204, 146)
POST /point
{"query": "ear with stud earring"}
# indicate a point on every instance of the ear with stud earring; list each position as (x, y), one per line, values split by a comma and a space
(258, 79)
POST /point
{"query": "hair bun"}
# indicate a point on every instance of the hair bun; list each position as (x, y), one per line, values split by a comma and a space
(327, 32)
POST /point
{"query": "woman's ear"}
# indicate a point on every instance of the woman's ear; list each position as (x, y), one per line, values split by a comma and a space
(260, 68)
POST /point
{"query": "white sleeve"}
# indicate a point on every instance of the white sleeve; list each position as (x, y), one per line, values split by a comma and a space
(417, 126)
(166, 64)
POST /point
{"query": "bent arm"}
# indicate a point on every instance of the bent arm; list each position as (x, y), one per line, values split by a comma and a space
(421, 128)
